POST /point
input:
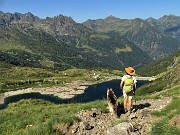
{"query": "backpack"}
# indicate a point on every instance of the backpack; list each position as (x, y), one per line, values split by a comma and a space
(128, 84)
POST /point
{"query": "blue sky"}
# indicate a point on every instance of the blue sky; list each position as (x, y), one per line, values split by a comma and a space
(81, 10)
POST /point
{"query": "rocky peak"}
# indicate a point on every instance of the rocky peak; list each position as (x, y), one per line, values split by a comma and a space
(153, 22)
(170, 25)
(151, 19)
(58, 25)
(169, 21)
(63, 18)
(6, 19)
(30, 17)
(168, 17)
(61, 21)
(137, 20)
(16, 16)
(63, 25)
(111, 18)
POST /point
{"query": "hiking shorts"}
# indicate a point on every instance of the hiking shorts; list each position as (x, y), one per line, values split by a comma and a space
(128, 95)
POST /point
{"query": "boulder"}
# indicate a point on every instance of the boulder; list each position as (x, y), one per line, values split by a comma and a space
(124, 128)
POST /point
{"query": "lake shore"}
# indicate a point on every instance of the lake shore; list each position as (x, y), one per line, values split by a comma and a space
(63, 92)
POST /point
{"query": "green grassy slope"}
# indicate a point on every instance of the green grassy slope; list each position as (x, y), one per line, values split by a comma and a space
(41, 115)
(167, 71)
(36, 48)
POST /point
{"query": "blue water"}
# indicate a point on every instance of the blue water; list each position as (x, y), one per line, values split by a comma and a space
(92, 93)
(99, 91)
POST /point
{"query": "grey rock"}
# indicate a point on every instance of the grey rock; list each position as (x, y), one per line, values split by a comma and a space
(121, 129)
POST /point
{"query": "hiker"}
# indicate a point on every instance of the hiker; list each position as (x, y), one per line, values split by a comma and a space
(128, 86)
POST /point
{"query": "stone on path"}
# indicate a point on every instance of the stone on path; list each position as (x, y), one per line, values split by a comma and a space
(121, 129)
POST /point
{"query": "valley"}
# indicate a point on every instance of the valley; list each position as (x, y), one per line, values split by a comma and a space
(54, 74)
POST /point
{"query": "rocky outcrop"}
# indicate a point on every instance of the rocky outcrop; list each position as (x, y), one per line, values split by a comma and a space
(58, 26)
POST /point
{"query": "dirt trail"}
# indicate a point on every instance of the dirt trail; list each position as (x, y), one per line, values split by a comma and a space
(95, 122)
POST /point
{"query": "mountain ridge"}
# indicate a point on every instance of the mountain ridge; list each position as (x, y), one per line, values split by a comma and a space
(147, 34)
(64, 43)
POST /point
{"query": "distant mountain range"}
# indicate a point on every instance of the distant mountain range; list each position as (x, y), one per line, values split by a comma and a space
(59, 42)
(158, 38)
